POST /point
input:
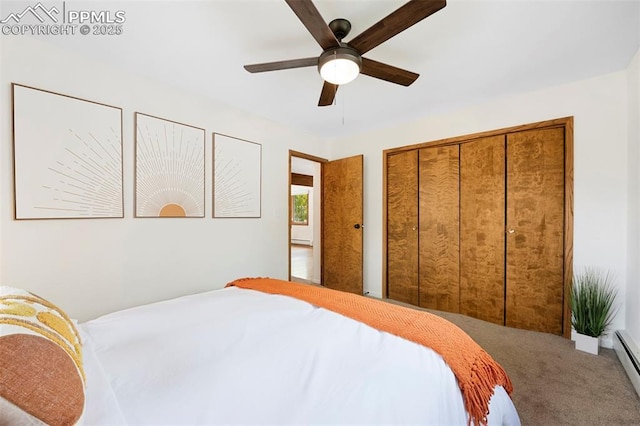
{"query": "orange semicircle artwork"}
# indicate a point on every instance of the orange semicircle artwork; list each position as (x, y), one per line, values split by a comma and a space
(172, 210)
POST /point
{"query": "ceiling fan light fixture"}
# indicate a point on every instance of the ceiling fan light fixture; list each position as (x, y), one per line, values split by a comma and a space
(340, 65)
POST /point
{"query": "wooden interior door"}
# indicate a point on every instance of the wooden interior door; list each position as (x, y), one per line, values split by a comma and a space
(439, 227)
(535, 230)
(342, 228)
(482, 227)
(402, 227)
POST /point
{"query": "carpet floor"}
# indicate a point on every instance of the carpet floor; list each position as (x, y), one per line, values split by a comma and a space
(554, 384)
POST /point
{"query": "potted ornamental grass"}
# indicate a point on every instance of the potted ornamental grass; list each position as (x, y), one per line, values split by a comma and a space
(592, 307)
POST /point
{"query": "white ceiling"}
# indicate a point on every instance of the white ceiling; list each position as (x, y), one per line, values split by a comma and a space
(469, 52)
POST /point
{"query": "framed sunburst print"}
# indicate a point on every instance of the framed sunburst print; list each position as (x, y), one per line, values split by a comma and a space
(236, 177)
(67, 156)
(169, 168)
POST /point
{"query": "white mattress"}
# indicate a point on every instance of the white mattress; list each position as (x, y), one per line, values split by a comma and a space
(236, 356)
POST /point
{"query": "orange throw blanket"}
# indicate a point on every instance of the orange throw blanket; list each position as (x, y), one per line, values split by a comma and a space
(476, 371)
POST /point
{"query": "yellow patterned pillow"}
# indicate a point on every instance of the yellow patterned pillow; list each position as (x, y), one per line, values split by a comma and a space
(40, 361)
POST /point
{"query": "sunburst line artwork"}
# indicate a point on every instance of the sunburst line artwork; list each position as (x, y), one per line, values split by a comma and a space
(169, 168)
(67, 155)
(231, 195)
(237, 177)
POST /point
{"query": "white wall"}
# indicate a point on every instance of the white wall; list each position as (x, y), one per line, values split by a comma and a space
(600, 108)
(94, 266)
(633, 282)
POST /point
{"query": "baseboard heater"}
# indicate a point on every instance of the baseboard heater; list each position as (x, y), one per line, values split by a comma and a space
(629, 357)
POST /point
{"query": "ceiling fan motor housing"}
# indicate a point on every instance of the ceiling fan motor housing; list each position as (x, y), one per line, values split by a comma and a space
(340, 27)
(343, 52)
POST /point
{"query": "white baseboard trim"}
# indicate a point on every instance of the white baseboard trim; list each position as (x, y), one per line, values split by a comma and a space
(629, 356)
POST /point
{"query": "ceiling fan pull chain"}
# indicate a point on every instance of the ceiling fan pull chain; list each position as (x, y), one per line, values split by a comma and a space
(335, 56)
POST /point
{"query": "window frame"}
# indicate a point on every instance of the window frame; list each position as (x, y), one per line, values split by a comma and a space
(293, 210)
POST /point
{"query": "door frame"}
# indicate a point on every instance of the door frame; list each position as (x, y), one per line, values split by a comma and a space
(564, 122)
(321, 161)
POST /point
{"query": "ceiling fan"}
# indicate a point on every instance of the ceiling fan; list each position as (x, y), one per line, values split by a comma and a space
(341, 62)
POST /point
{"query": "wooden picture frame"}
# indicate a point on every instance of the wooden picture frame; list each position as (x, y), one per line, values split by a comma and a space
(67, 156)
(237, 177)
(169, 168)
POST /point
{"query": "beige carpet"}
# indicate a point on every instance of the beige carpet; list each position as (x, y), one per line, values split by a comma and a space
(554, 384)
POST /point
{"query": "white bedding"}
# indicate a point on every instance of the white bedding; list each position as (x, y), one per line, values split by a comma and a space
(236, 356)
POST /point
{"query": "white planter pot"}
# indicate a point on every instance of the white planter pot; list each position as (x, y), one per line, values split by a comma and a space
(587, 343)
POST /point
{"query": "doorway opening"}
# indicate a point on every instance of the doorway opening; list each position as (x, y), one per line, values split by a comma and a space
(305, 218)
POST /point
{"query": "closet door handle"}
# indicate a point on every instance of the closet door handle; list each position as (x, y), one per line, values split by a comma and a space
(414, 228)
(511, 231)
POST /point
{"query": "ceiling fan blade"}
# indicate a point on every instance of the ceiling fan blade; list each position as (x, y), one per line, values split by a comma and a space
(282, 65)
(328, 94)
(411, 13)
(306, 11)
(387, 72)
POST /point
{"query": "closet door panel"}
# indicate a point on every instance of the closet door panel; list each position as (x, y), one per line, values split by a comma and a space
(482, 226)
(402, 226)
(439, 226)
(535, 223)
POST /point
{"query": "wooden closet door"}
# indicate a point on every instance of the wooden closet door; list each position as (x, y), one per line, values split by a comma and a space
(482, 225)
(535, 230)
(402, 226)
(439, 227)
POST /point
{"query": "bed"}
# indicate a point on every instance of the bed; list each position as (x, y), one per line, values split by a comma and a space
(265, 351)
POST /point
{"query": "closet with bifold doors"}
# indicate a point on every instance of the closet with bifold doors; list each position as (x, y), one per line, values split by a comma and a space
(482, 225)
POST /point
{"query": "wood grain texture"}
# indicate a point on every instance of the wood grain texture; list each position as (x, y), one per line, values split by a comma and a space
(535, 212)
(385, 214)
(388, 72)
(402, 227)
(282, 65)
(328, 94)
(399, 20)
(482, 209)
(564, 125)
(301, 180)
(470, 138)
(305, 156)
(341, 241)
(308, 14)
(439, 228)
(568, 225)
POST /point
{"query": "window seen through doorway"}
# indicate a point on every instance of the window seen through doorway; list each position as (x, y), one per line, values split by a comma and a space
(300, 209)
